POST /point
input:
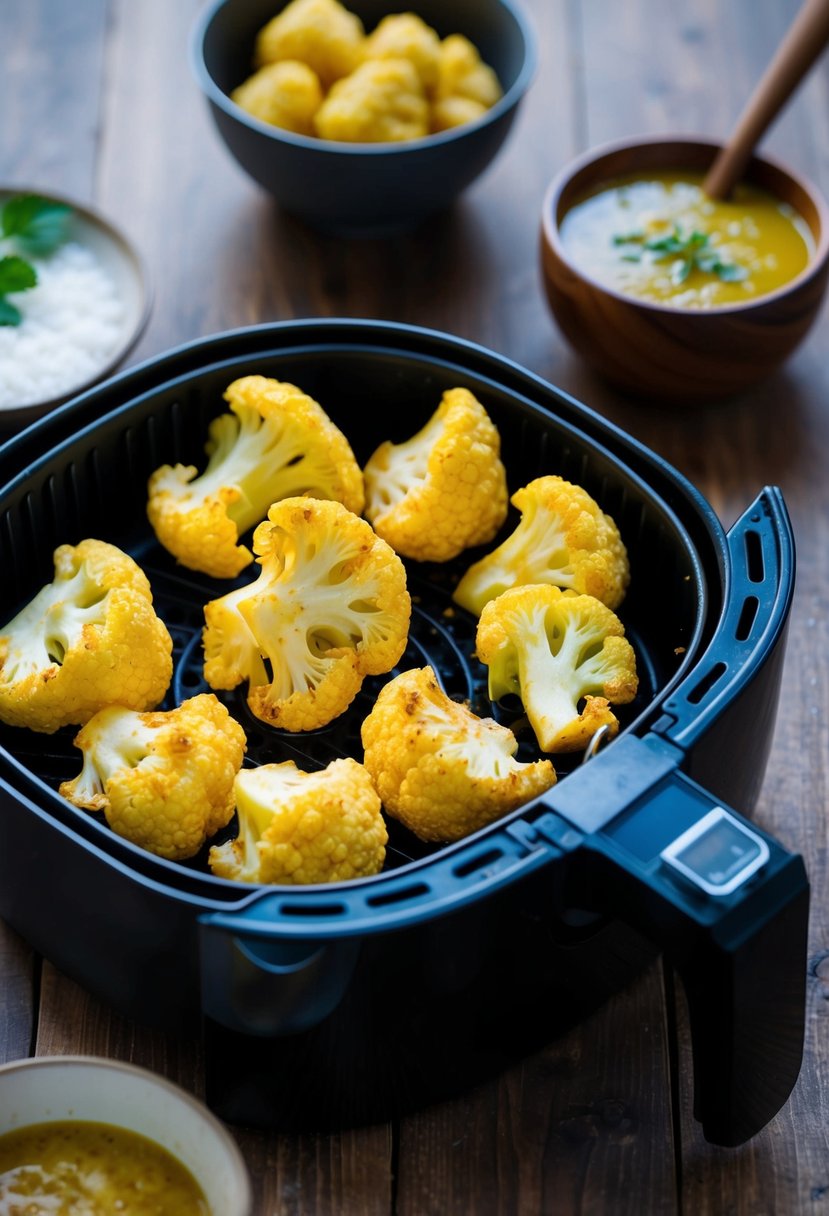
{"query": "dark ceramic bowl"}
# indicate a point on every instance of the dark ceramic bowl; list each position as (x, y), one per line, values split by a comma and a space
(363, 188)
(664, 352)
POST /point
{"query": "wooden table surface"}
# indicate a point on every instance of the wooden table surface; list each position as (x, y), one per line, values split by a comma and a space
(97, 102)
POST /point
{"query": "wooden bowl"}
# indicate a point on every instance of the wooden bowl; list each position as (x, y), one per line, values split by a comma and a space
(663, 351)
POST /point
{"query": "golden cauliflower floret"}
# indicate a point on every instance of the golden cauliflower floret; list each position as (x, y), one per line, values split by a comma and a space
(163, 780)
(298, 827)
(321, 33)
(286, 94)
(381, 102)
(88, 639)
(277, 442)
(440, 769)
(451, 112)
(556, 650)
(444, 489)
(329, 608)
(563, 538)
(407, 36)
(462, 73)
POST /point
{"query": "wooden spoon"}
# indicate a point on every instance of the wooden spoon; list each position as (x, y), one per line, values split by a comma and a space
(804, 42)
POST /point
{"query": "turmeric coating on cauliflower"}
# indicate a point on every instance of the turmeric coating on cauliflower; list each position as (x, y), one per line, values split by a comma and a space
(276, 443)
(553, 649)
(297, 827)
(163, 780)
(89, 639)
(440, 769)
(462, 73)
(444, 489)
(449, 112)
(382, 101)
(563, 538)
(286, 94)
(321, 33)
(329, 608)
(407, 36)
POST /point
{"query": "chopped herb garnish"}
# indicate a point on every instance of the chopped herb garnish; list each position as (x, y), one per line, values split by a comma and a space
(691, 252)
(37, 226)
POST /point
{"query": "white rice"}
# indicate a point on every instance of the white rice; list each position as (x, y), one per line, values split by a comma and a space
(71, 327)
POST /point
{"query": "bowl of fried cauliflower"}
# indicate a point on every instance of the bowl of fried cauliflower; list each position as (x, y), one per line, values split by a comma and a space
(362, 117)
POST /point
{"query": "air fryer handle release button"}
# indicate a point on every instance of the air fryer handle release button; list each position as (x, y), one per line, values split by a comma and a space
(718, 854)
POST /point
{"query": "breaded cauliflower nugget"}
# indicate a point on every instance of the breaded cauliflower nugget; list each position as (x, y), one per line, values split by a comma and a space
(407, 36)
(462, 73)
(381, 102)
(286, 94)
(321, 33)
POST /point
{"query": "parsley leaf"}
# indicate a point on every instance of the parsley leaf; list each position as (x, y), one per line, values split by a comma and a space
(38, 224)
(691, 252)
(16, 275)
(9, 315)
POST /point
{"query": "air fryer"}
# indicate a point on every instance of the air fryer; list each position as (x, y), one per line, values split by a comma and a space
(331, 1005)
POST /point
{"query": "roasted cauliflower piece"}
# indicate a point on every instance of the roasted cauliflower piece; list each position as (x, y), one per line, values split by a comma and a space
(321, 33)
(462, 73)
(407, 36)
(329, 608)
(89, 639)
(451, 112)
(442, 490)
(382, 101)
(163, 780)
(286, 94)
(554, 649)
(440, 769)
(297, 827)
(276, 442)
(563, 538)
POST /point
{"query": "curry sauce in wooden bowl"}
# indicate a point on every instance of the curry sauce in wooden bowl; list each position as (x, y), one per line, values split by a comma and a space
(673, 296)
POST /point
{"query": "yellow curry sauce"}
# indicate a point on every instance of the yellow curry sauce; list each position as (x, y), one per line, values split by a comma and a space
(76, 1168)
(661, 238)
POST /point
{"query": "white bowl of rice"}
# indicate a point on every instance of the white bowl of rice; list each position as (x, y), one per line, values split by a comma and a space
(87, 310)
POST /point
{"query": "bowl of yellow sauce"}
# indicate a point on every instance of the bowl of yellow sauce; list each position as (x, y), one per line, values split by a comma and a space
(84, 1136)
(673, 295)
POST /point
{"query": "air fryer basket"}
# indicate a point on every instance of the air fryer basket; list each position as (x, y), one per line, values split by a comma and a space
(297, 974)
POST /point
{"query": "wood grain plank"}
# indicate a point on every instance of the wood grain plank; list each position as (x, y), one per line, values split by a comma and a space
(52, 55)
(18, 970)
(308, 1175)
(574, 1129)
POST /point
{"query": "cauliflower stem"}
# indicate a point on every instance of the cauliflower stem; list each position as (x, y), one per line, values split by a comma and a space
(563, 538)
(86, 640)
(164, 780)
(330, 607)
(276, 442)
(554, 649)
(297, 827)
(440, 769)
(444, 489)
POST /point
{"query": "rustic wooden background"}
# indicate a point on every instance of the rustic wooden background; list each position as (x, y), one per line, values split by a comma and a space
(97, 102)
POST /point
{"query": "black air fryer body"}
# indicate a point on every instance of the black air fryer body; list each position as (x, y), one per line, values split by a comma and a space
(323, 1006)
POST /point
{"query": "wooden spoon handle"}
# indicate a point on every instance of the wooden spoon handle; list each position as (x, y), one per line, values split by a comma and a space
(804, 42)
